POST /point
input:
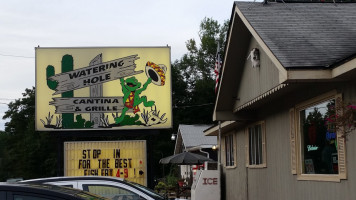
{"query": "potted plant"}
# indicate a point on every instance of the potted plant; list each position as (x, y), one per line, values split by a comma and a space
(180, 182)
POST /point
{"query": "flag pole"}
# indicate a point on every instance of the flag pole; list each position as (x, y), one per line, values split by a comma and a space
(217, 72)
(217, 67)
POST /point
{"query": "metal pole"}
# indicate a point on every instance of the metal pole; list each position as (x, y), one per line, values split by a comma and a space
(219, 162)
(219, 157)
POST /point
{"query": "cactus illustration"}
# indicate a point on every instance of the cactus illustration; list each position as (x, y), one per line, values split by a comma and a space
(67, 65)
(50, 72)
(81, 123)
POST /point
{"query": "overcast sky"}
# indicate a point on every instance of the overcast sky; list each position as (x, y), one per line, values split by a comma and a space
(25, 24)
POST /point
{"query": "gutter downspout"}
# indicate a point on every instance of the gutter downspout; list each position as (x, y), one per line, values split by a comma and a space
(207, 154)
(205, 163)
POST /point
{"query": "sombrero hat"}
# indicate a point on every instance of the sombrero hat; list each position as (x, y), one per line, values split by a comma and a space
(156, 72)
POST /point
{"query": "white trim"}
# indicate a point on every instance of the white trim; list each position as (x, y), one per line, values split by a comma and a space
(298, 137)
(202, 146)
(234, 153)
(282, 70)
(309, 74)
(344, 68)
(222, 69)
(213, 131)
(263, 163)
(260, 97)
(320, 74)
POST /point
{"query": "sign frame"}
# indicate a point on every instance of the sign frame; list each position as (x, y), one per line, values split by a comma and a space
(103, 111)
(78, 148)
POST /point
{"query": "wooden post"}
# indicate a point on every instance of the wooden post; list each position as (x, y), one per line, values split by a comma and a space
(96, 91)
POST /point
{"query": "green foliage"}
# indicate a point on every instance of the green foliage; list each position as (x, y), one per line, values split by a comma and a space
(193, 84)
(193, 75)
(25, 153)
(172, 180)
(198, 63)
(30, 154)
(160, 187)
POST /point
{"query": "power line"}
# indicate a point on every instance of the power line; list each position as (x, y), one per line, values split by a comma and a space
(2, 100)
(193, 105)
(17, 56)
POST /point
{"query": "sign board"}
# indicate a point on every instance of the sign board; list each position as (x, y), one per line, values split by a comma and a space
(124, 159)
(103, 88)
(206, 185)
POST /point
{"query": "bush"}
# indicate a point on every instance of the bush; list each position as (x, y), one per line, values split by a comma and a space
(161, 187)
(171, 180)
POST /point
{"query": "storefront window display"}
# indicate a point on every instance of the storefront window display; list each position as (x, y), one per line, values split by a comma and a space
(319, 139)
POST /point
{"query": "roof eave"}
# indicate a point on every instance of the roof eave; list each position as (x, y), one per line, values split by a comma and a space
(225, 126)
(223, 109)
(307, 75)
(224, 101)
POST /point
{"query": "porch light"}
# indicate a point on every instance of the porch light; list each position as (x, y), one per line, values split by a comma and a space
(174, 136)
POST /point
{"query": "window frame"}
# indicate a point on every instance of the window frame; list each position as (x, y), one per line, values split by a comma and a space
(263, 164)
(116, 191)
(296, 143)
(233, 143)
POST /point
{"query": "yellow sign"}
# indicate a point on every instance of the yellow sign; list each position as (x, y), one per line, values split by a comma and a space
(124, 159)
(103, 88)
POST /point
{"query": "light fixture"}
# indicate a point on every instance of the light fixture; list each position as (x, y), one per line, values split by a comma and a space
(214, 147)
(173, 137)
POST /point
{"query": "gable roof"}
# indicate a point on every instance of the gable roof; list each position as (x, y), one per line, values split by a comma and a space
(193, 136)
(304, 35)
(305, 41)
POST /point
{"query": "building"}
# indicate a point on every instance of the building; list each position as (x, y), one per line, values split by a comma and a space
(191, 138)
(286, 100)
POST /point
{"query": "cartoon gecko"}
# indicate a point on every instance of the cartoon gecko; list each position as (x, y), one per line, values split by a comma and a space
(131, 89)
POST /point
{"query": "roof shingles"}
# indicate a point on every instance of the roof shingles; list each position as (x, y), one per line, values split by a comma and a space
(304, 34)
(193, 135)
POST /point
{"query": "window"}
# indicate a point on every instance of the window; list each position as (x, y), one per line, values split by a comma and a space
(28, 197)
(111, 192)
(255, 145)
(229, 150)
(318, 139)
(2, 195)
(317, 144)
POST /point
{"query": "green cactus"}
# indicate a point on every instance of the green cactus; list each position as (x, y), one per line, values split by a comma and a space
(128, 120)
(67, 65)
(82, 123)
(50, 72)
(67, 118)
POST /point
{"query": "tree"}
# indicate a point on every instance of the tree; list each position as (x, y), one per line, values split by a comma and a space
(25, 152)
(28, 154)
(193, 75)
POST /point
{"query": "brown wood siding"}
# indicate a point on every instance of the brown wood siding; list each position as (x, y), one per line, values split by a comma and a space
(256, 81)
(277, 181)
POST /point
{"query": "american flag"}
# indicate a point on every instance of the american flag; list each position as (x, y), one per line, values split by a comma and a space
(218, 64)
